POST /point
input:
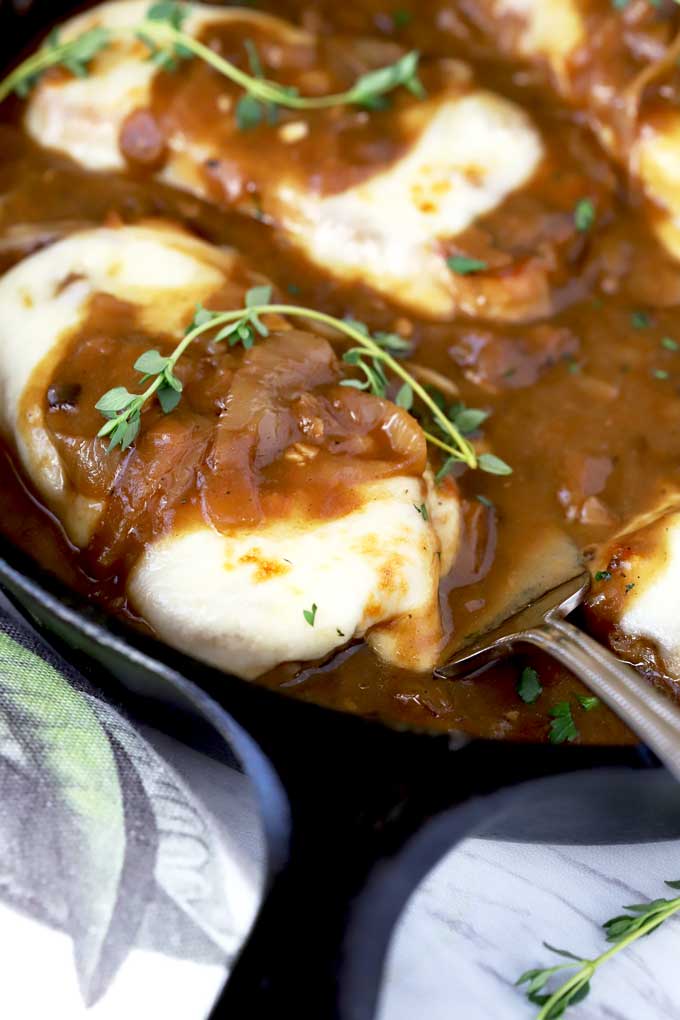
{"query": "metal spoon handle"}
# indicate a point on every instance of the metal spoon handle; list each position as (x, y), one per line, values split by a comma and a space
(650, 715)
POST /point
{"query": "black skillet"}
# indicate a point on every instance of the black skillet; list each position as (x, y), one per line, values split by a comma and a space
(354, 813)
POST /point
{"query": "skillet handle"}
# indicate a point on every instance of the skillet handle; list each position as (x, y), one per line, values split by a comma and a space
(651, 715)
(371, 812)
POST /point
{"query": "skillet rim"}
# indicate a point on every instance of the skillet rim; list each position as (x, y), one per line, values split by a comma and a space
(106, 628)
(641, 799)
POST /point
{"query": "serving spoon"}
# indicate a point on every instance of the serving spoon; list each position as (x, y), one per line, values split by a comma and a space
(542, 622)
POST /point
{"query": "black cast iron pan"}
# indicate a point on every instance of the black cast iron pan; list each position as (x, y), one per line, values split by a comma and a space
(354, 813)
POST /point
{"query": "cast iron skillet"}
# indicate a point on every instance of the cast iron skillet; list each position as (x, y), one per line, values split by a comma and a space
(354, 813)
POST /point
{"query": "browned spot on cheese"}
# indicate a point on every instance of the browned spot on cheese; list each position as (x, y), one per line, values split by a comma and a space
(474, 174)
(369, 545)
(265, 568)
(373, 607)
(391, 579)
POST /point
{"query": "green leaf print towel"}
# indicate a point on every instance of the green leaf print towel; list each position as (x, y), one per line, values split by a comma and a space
(125, 889)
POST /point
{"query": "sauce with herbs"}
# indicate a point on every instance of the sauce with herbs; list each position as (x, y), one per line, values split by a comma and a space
(583, 402)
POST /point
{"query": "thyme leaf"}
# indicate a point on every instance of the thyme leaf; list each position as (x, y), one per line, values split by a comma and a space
(493, 465)
(584, 215)
(529, 687)
(169, 11)
(462, 265)
(370, 89)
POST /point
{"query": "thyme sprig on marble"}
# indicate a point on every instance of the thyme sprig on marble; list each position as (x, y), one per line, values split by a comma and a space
(641, 919)
(373, 356)
(167, 42)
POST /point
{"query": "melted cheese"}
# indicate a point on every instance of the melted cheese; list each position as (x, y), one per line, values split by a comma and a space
(647, 554)
(475, 150)
(552, 29)
(237, 599)
(471, 149)
(653, 614)
(83, 117)
(656, 159)
(244, 595)
(45, 297)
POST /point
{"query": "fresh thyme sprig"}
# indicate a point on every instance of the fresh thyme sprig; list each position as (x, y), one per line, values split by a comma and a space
(372, 354)
(369, 90)
(622, 931)
(375, 380)
(75, 55)
(467, 420)
(162, 33)
(123, 409)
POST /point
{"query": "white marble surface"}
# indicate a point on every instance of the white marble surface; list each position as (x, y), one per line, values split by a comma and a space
(478, 921)
(474, 924)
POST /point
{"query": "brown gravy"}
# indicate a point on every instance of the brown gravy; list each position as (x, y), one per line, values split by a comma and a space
(583, 405)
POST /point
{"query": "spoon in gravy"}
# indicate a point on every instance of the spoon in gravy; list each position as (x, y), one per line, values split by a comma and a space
(541, 621)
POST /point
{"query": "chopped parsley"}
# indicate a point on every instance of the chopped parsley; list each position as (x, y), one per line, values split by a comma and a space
(484, 500)
(660, 373)
(465, 266)
(310, 614)
(422, 510)
(669, 344)
(401, 18)
(640, 320)
(603, 575)
(584, 215)
(629, 587)
(529, 686)
(588, 702)
(562, 727)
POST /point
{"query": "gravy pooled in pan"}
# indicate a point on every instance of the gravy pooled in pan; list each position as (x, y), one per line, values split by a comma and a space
(508, 236)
